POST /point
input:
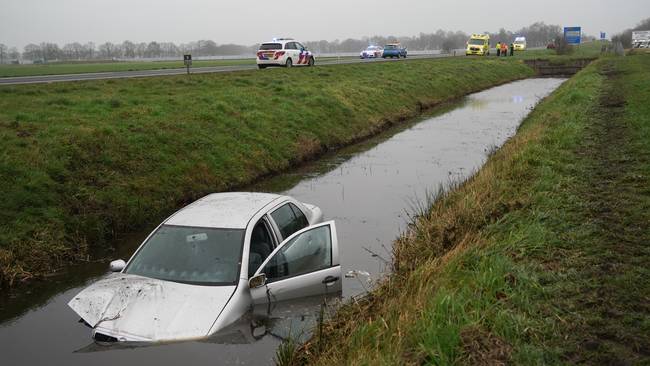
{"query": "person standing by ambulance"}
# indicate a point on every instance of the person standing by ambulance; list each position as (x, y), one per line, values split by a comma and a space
(504, 49)
(498, 49)
(512, 49)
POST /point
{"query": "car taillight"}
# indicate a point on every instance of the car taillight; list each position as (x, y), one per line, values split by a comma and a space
(279, 53)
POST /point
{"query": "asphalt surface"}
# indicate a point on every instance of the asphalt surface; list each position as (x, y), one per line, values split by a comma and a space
(166, 72)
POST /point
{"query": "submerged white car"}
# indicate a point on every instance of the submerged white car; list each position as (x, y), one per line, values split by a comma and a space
(208, 264)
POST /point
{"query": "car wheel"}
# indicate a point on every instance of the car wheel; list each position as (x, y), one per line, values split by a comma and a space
(289, 63)
(311, 62)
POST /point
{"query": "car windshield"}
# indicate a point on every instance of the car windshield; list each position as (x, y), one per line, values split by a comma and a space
(390, 47)
(372, 48)
(476, 42)
(192, 255)
(270, 46)
(519, 42)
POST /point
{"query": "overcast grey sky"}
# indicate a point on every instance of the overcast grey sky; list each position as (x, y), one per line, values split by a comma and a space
(249, 22)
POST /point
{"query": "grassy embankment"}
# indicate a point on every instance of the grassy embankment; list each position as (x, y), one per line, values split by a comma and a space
(83, 161)
(541, 258)
(585, 50)
(63, 68)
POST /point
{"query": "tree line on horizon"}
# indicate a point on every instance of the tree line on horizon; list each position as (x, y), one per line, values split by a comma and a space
(625, 37)
(537, 34)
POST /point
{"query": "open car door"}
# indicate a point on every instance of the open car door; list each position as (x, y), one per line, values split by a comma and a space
(305, 264)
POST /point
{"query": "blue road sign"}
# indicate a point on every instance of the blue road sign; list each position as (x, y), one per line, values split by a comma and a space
(573, 35)
(603, 35)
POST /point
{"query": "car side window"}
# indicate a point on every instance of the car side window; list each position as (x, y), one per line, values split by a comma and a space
(308, 252)
(290, 46)
(299, 46)
(288, 221)
(260, 248)
(300, 217)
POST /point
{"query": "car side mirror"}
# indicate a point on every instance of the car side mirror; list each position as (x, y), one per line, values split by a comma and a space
(117, 265)
(257, 281)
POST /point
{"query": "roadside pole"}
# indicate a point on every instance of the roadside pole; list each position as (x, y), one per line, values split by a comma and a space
(187, 60)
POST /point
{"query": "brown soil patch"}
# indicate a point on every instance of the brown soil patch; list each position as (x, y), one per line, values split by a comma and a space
(480, 347)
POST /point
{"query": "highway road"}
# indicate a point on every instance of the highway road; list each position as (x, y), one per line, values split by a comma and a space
(166, 72)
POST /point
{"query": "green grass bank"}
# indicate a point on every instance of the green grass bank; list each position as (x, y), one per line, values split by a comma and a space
(81, 162)
(540, 258)
(63, 68)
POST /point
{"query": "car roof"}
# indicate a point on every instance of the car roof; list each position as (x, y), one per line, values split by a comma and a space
(281, 40)
(232, 210)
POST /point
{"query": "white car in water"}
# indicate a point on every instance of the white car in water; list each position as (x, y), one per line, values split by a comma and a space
(208, 264)
(285, 52)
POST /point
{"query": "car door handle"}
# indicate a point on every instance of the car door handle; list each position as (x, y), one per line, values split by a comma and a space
(329, 280)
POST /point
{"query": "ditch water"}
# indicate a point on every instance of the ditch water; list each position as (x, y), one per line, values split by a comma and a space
(370, 189)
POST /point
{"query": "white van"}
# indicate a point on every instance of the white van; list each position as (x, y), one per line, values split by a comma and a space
(520, 43)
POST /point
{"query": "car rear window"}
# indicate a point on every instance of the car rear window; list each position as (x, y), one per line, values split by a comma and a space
(271, 46)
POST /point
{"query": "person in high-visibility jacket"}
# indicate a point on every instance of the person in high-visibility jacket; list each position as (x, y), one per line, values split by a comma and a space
(504, 49)
(498, 49)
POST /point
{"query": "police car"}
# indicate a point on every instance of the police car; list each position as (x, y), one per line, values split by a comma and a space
(285, 52)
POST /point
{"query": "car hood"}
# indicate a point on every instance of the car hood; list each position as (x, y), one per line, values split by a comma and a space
(135, 308)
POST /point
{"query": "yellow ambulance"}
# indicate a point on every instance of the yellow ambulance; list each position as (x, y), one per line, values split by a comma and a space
(478, 44)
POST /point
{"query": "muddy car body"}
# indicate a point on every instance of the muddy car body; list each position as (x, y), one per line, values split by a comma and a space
(208, 264)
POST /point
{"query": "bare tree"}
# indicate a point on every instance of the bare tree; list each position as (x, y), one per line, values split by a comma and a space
(77, 50)
(33, 52)
(153, 50)
(128, 49)
(89, 50)
(68, 51)
(169, 49)
(3, 53)
(73, 51)
(50, 51)
(107, 50)
(14, 54)
(141, 50)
